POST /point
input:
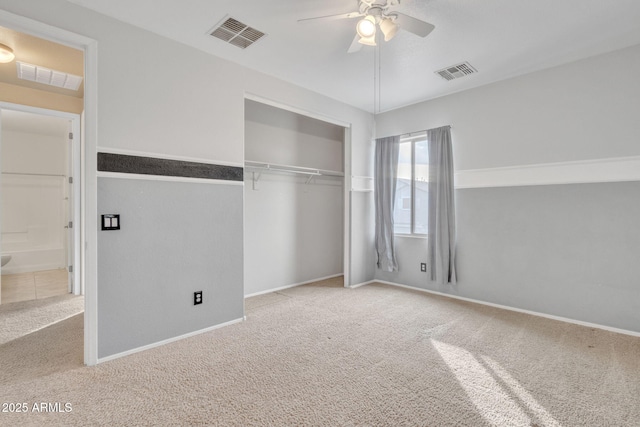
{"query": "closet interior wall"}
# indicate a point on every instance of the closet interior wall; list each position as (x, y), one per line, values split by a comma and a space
(293, 222)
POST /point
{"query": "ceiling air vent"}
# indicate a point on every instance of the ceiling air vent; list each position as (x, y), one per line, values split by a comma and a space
(236, 33)
(456, 71)
(36, 73)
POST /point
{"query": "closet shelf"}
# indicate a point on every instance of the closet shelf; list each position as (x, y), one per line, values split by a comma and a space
(262, 167)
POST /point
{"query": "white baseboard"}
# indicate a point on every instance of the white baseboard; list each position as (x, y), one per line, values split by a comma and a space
(506, 307)
(268, 291)
(167, 341)
(357, 285)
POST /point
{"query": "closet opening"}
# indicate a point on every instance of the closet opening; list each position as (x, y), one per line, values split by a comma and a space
(294, 212)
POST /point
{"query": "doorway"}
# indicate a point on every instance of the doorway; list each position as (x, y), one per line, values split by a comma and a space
(40, 165)
(87, 223)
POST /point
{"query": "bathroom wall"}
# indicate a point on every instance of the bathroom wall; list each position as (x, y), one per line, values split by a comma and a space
(33, 191)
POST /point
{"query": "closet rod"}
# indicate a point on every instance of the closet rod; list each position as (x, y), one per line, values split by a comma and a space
(291, 169)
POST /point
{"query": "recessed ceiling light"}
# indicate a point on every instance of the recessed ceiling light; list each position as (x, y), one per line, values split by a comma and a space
(36, 73)
(6, 54)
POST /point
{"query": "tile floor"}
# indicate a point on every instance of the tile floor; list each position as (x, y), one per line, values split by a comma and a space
(36, 285)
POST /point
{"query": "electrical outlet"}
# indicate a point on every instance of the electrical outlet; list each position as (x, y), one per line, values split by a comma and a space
(197, 298)
(423, 267)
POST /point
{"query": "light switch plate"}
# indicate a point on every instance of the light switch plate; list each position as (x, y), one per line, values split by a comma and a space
(110, 222)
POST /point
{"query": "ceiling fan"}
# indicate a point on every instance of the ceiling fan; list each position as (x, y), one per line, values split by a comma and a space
(378, 13)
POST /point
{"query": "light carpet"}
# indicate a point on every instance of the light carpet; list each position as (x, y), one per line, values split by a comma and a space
(323, 355)
(18, 319)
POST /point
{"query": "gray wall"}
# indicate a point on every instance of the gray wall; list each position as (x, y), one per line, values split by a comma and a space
(564, 250)
(572, 112)
(568, 249)
(278, 136)
(363, 260)
(155, 107)
(175, 238)
(293, 231)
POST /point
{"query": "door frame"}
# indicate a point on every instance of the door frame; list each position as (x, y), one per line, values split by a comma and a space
(346, 147)
(76, 283)
(88, 221)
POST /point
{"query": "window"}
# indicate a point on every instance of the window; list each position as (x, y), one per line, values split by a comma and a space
(410, 210)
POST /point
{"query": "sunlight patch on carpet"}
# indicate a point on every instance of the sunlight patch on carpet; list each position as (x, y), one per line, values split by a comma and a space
(494, 403)
(544, 417)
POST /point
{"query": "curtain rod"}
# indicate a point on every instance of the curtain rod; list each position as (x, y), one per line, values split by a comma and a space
(423, 131)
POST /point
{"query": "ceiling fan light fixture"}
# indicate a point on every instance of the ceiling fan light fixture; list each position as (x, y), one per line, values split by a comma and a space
(366, 27)
(369, 41)
(6, 54)
(389, 28)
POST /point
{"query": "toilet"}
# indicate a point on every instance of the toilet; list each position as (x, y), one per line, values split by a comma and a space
(5, 260)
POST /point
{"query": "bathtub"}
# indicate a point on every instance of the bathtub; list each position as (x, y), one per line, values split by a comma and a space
(34, 260)
(33, 220)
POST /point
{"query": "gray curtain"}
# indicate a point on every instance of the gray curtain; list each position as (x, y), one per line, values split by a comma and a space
(385, 175)
(441, 250)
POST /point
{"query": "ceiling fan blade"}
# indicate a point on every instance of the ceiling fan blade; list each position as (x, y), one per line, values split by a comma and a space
(332, 17)
(355, 45)
(413, 25)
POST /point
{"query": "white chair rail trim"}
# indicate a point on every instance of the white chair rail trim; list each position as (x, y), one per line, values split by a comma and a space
(618, 169)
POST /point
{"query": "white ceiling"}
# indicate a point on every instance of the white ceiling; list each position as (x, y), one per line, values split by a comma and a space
(44, 53)
(500, 38)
